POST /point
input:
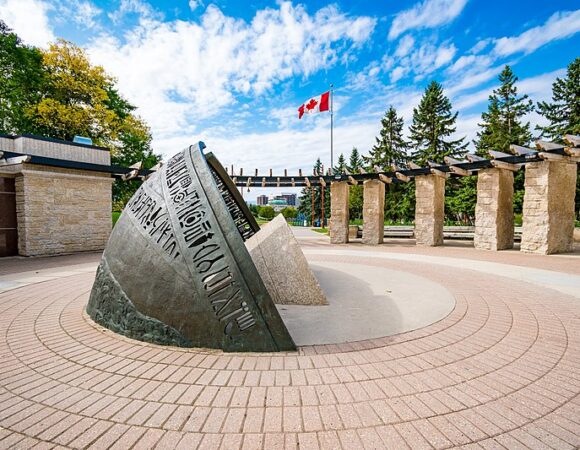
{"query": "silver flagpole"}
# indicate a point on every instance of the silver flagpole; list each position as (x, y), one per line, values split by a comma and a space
(331, 127)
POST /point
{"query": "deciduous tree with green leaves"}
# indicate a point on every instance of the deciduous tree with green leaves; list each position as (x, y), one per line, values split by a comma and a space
(22, 81)
(433, 125)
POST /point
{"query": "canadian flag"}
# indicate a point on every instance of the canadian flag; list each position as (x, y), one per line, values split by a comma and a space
(314, 105)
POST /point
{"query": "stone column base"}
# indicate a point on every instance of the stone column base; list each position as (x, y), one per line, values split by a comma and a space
(429, 210)
(548, 219)
(373, 212)
(494, 215)
(338, 224)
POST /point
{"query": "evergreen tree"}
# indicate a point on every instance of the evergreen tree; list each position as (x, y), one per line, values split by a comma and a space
(502, 122)
(340, 165)
(563, 113)
(433, 124)
(355, 161)
(355, 194)
(305, 204)
(390, 147)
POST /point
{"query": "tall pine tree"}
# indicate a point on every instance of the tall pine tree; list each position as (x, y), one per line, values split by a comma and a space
(502, 123)
(355, 195)
(340, 165)
(563, 113)
(433, 125)
(390, 147)
(355, 161)
(305, 204)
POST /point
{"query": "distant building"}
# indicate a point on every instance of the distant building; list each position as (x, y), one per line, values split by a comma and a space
(262, 200)
(290, 199)
(278, 205)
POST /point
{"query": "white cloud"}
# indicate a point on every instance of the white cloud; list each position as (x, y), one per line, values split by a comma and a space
(427, 14)
(405, 46)
(425, 59)
(82, 12)
(141, 8)
(181, 72)
(477, 48)
(194, 4)
(28, 19)
(560, 25)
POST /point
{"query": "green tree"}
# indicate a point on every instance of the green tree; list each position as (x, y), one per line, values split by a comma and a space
(340, 165)
(355, 194)
(390, 147)
(289, 212)
(305, 206)
(21, 82)
(355, 161)
(75, 97)
(502, 123)
(267, 212)
(433, 124)
(563, 112)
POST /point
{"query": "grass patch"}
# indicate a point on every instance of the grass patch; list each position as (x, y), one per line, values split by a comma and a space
(116, 215)
(320, 230)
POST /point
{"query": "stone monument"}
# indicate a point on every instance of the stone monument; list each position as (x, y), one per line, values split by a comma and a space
(176, 270)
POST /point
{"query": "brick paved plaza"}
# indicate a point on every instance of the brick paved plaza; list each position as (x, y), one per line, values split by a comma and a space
(502, 370)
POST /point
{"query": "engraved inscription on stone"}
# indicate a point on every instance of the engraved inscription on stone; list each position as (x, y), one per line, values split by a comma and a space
(180, 271)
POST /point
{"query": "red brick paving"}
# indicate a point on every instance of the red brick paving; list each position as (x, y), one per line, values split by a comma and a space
(501, 371)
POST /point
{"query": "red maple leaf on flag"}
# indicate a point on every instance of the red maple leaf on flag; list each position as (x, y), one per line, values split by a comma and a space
(311, 104)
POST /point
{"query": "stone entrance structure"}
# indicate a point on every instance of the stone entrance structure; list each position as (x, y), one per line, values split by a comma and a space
(58, 205)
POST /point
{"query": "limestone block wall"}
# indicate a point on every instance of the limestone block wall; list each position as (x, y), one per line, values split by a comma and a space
(429, 210)
(62, 211)
(373, 212)
(548, 213)
(494, 216)
(338, 224)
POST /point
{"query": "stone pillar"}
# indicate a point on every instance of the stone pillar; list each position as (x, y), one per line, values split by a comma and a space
(429, 209)
(338, 225)
(373, 212)
(494, 215)
(548, 219)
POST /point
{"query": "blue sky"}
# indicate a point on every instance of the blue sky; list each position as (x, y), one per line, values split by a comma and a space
(233, 73)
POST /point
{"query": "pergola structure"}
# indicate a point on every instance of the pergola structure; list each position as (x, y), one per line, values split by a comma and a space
(548, 202)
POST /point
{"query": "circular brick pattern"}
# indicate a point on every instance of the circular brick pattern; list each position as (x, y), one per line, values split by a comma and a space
(502, 369)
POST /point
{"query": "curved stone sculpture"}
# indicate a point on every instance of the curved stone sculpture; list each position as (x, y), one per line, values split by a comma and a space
(176, 270)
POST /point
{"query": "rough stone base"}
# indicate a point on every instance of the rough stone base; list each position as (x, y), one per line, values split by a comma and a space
(338, 224)
(548, 214)
(283, 267)
(494, 215)
(110, 307)
(373, 212)
(429, 210)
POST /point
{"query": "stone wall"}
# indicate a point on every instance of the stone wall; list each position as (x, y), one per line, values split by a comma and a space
(548, 213)
(429, 209)
(62, 211)
(338, 224)
(373, 212)
(494, 215)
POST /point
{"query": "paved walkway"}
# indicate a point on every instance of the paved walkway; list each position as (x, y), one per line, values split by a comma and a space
(502, 370)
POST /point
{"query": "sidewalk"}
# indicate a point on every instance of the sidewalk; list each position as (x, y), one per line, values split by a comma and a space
(502, 370)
